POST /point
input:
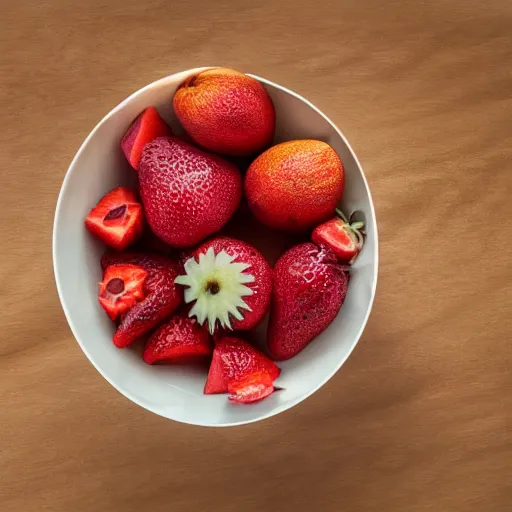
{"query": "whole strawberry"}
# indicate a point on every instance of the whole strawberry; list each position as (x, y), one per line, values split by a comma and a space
(188, 194)
(161, 298)
(229, 282)
(309, 287)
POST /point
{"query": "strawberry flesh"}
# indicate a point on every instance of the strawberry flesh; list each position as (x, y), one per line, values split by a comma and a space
(117, 219)
(162, 295)
(250, 389)
(181, 340)
(240, 369)
(339, 237)
(122, 287)
(147, 127)
(216, 381)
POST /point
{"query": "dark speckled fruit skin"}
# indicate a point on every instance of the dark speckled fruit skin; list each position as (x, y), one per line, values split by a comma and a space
(226, 111)
(309, 287)
(295, 185)
(163, 296)
(262, 286)
(187, 193)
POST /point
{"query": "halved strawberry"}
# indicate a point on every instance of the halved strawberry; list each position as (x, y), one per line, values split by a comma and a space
(122, 287)
(240, 369)
(345, 239)
(117, 219)
(162, 296)
(146, 127)
(181, 340)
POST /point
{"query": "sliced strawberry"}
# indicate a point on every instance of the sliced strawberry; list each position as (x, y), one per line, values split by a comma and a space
(233, 362)
(122, 287)
(345, 239)
(146, 127)
(118, 219)
(216, 381)
(252, 388)
(162, 295)
(181, 340)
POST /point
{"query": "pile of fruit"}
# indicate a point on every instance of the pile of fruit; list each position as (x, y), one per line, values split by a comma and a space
(170, 276)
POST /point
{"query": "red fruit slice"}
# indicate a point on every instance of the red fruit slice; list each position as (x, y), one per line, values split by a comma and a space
(122, 287)
(181, 340)
(216, 381)
(345, 239)
(250, 389)
(117, 219)
(147, 127)
(162, 295)
(233, 362)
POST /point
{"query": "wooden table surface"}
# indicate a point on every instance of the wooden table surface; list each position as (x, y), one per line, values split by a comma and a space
(419, 418)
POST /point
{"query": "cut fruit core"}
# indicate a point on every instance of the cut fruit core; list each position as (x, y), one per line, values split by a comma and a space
(115, 286)
(122, 287)
(216, 284)
(212, 287)
(115, 213)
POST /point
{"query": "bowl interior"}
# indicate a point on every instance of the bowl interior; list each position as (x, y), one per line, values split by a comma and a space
(177, 392)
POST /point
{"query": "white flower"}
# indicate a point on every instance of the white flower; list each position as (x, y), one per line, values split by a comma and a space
(217, 286)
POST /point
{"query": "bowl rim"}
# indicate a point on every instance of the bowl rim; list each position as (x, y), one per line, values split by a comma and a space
(57, 215)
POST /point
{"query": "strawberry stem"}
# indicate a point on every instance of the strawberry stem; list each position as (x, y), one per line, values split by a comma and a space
(340, 214)
(357, 225)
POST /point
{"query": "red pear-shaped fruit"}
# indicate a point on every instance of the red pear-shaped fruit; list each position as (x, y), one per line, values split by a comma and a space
(309, 287)
(226, 111)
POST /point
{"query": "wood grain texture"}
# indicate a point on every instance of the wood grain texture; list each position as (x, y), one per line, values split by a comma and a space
(419, 418)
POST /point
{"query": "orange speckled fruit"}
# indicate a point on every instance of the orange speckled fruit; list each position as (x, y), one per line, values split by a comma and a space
(295, 185)
(226, 111)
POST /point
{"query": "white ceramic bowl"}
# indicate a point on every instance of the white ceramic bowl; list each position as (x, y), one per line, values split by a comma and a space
(177, 392)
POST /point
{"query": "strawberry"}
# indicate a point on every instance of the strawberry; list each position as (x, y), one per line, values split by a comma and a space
(250, 389)
(117, 220)
(146, 127)
(230, 283)
(309, 287)
(187, 193)
(344, 238)
(122, 287)
(162, 295)
(181, 340)
(240, 369)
